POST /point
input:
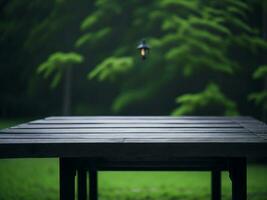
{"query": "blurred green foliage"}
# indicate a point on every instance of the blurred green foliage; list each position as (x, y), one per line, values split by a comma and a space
(260, 98)
(57, 64)
(203, 55)
(193, 37)
(111, 67)
(210, 97)
(261, 72)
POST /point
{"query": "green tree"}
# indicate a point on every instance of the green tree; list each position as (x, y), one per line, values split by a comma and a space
(16, 20)
(30, 31)
(260, 74)
(59, 66)
(196, 41)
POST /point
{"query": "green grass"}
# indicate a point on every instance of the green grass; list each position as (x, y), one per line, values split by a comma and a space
(31, 179)
(38, 179)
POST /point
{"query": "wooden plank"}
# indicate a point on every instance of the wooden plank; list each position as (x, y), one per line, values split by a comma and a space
(194, 140)
(170, 121)
(50, 126)
(258, 128)
(136, 136)
(127, 130)
(150, 117)
(135, 150)
(151, 125)
(133, 140)
(126, 135)
(58, 141)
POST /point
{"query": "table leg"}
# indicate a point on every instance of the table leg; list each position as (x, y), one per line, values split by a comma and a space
(216, 184)
(92, 184)
(238, 175)
(67, 179)
(82, 184)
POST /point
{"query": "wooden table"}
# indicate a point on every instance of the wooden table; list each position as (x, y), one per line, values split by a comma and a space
(89, 144)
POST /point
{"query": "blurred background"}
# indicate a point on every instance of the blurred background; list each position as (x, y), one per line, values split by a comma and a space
(80, 58)
(69, 57)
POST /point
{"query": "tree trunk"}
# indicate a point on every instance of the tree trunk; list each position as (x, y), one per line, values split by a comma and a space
(67, 92)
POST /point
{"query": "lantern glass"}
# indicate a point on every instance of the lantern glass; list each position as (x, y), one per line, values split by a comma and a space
(143, 48)
(143, 52)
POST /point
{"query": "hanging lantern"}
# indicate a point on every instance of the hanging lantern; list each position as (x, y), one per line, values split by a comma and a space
(144, 49)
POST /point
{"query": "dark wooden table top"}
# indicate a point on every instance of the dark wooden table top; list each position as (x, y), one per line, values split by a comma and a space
(125, 136)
